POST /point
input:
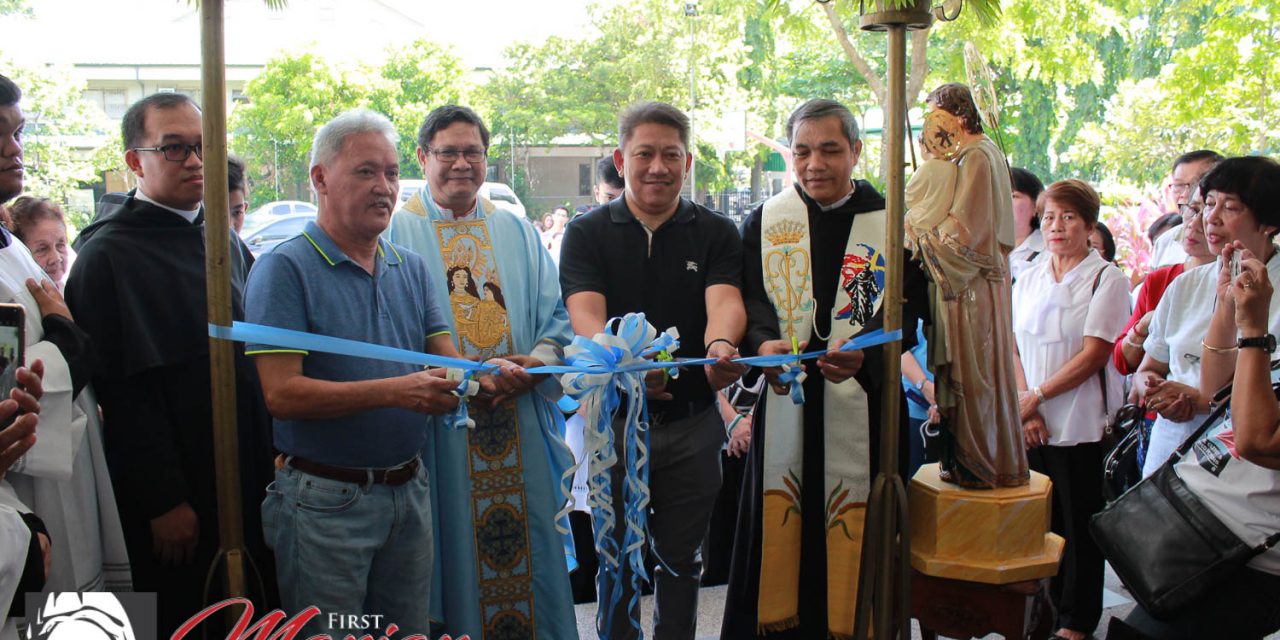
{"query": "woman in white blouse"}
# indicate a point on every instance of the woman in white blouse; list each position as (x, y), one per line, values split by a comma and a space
(1234, 467)
(1169, 377)
(1067, 310)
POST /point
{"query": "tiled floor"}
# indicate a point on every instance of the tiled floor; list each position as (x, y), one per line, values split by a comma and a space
(711, 609)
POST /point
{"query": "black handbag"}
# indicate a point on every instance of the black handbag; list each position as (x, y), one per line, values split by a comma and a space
(1124, 438)
(1163, 542)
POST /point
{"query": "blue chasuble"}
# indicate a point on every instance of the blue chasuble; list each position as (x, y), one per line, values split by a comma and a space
(501, 566)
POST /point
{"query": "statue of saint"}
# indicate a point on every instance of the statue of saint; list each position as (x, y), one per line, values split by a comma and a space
(960, 222)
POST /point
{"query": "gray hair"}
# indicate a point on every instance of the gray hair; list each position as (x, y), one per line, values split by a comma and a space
(821, 108)
(333, 135)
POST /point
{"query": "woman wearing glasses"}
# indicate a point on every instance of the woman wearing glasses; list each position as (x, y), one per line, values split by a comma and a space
(1234, 466)
(1169, 377)
(1129, 350)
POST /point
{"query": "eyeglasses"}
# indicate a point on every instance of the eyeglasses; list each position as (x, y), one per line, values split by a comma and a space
(176, 152)
(451, 155)
(1190, 212)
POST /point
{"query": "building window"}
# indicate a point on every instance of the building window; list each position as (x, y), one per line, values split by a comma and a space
(113, 102)
(584, 179)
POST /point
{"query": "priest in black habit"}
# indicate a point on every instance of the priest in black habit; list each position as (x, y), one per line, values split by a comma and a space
(138, 289)
(813, 277)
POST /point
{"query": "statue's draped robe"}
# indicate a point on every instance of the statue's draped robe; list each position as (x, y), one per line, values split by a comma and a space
(971, 349)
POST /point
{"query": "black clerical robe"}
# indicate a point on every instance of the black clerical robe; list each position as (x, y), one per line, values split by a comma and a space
(138, 288)
(829, 235)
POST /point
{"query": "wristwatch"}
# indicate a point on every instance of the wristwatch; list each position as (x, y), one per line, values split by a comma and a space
(1266, 343)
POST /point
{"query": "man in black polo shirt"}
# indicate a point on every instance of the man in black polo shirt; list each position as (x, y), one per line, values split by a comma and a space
(680, 264)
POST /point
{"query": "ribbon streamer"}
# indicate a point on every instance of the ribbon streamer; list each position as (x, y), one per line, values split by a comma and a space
(596, 374)
(602, 370)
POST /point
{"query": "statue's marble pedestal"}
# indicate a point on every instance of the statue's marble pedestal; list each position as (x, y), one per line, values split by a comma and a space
(997, 536)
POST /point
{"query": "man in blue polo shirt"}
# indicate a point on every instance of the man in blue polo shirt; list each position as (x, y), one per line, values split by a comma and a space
(349, 513)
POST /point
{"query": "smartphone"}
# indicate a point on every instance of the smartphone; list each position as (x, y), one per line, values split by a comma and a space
(1235, 266)
(13, 342)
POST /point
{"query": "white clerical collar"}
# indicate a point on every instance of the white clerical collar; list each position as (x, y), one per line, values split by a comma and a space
(841, 202)
(189, 216)
(448, 213)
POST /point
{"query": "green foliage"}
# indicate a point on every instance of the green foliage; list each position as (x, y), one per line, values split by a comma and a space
(55, 114)
(577, 86)
(15, 7)
(414, 80)
(1218, 94)
(814, 69)
(292, 97)
(297, 93)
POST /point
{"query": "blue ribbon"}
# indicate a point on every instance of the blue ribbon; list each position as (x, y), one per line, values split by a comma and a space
(287, 338)
(596, 374)
(290, 339)
(793, 376)
(301, 340)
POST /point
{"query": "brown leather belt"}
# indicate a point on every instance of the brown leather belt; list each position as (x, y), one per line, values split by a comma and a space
(392, 477)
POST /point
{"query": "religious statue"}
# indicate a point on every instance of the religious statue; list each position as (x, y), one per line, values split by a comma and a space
(960, 223)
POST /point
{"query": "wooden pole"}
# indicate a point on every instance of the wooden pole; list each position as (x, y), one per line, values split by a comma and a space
(883, 582)
(213, 89)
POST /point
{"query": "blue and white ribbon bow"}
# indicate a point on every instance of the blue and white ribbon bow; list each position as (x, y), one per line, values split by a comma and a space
(603, 369)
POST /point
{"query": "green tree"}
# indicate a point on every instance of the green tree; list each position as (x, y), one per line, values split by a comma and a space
(1218, 94)
(414, 80)
(12, 7)
(56, 116)
(293, 96)
(636, 51)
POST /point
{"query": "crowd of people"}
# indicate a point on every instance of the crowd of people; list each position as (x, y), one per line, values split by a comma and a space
(364, 495)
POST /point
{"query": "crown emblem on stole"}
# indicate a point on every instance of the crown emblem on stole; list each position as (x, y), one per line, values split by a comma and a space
(785, 232)
(462, 255)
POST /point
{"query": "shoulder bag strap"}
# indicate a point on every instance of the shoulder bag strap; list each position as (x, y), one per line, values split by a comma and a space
(1102, 373)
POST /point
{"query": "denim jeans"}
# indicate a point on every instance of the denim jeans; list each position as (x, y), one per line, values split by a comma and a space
(351, 549)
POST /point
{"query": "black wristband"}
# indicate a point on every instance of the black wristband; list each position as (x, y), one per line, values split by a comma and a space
(724, 340)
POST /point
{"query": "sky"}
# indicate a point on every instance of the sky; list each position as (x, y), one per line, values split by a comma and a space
(166, 31)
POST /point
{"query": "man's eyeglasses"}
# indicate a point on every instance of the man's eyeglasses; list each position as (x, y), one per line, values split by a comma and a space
(176, 152)
(1190, 212)
(451, 155)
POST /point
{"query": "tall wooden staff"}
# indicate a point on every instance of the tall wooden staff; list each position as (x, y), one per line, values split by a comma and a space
(883, 580)
(213, 89)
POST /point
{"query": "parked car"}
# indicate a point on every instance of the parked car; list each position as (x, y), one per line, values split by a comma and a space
(283, 208)
(407, 189)
(502, 195)
(273, 210)
(272, 231)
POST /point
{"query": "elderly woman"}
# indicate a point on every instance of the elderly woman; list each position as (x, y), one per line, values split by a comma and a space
(40, 225)
(1066, 311)
(1169, 378)
(1129, 348)
(1233, 466)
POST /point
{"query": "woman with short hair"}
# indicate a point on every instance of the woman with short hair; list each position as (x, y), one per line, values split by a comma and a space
(41, 226)
(1129, 349)
(1233, 466)
(1170, 375)
(1066, 311)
